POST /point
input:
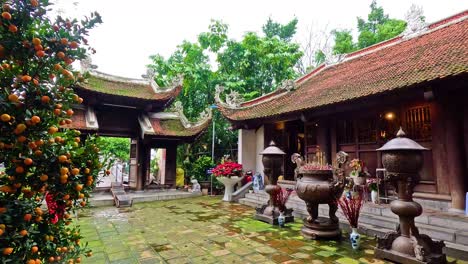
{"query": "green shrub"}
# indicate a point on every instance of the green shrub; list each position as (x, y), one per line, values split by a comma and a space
(198, 168)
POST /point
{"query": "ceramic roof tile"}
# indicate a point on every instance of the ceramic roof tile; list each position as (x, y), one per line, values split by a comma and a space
(436, 54)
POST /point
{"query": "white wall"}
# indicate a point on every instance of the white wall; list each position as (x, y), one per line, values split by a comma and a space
(247, 149)
(260, 145)
(251, 143)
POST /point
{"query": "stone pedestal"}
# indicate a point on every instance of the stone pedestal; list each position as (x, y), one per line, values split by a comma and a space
(406, 245)
(229, 183)
(322, 228)
(269, 212)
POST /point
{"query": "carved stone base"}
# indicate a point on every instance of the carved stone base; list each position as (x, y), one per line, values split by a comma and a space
(322, 228)
(269, 214)
(410, 250)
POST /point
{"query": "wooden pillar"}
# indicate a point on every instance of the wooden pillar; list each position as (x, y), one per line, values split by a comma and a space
(439, 150)
(140, 165)
(144, 162)
(333, 140)
(448, 151)
(455, 156)
(171, 165)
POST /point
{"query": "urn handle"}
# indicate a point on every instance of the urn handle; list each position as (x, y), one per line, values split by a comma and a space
(299, 161)
(341, 159)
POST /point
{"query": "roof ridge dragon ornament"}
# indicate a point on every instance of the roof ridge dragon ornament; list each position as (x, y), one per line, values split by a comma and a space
(233, 99)
(331, 58)
(205, 115)
(175, 82)
(415, 22)
(288, 85)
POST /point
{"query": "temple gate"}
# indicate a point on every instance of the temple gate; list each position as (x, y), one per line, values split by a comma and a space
(135, 108)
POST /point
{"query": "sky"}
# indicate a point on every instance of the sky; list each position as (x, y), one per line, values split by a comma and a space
(132, 30)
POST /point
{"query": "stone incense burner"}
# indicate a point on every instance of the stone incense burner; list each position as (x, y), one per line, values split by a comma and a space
(402, 158)
(319, 186)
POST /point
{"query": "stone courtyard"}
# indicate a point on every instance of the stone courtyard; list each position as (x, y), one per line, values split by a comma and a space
(205, 230)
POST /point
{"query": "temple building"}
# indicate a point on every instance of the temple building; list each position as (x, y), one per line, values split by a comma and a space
(137, 109)
(356, 102)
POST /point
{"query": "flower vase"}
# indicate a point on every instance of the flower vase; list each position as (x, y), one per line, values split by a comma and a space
(374, 196)
(229, 183)
(355, 238)
(281, 219)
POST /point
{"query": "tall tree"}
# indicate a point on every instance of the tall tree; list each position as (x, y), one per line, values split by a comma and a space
(284, 32)
(343, 42)
(378, 27)
(256, 64)
(251, 66)
(114, 146)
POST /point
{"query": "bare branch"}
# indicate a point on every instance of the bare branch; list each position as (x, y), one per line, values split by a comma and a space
(315, 40)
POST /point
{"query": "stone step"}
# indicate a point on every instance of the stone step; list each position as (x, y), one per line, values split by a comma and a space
(257, 196)
(106, 199)
(248, 202)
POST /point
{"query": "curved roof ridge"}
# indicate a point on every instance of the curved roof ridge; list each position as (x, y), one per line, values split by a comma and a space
(260, 99)
(174, 124)
(116, 78)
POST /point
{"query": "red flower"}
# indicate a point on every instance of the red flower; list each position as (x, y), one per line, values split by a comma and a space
(227, 169)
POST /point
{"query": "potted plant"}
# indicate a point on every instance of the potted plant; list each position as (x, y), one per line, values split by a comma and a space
(229, 174)
(358, 172)
(351, 204)
(372, 184)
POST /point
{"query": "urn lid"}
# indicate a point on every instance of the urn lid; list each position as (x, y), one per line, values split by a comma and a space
(272, 149)
(401, 143)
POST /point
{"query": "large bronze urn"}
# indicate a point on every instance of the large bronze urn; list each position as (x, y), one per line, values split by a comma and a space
(403, 158)
(272, 159)
(319, 186)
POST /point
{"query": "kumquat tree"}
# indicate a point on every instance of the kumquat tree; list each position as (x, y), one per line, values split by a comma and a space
(49, 171)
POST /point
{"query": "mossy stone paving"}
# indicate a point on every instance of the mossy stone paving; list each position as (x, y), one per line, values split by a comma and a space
(205, 230)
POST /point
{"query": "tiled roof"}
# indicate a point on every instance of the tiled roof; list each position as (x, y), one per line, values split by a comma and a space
(128, 89)
(78, 120)
(175, 128)
(440, 52)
